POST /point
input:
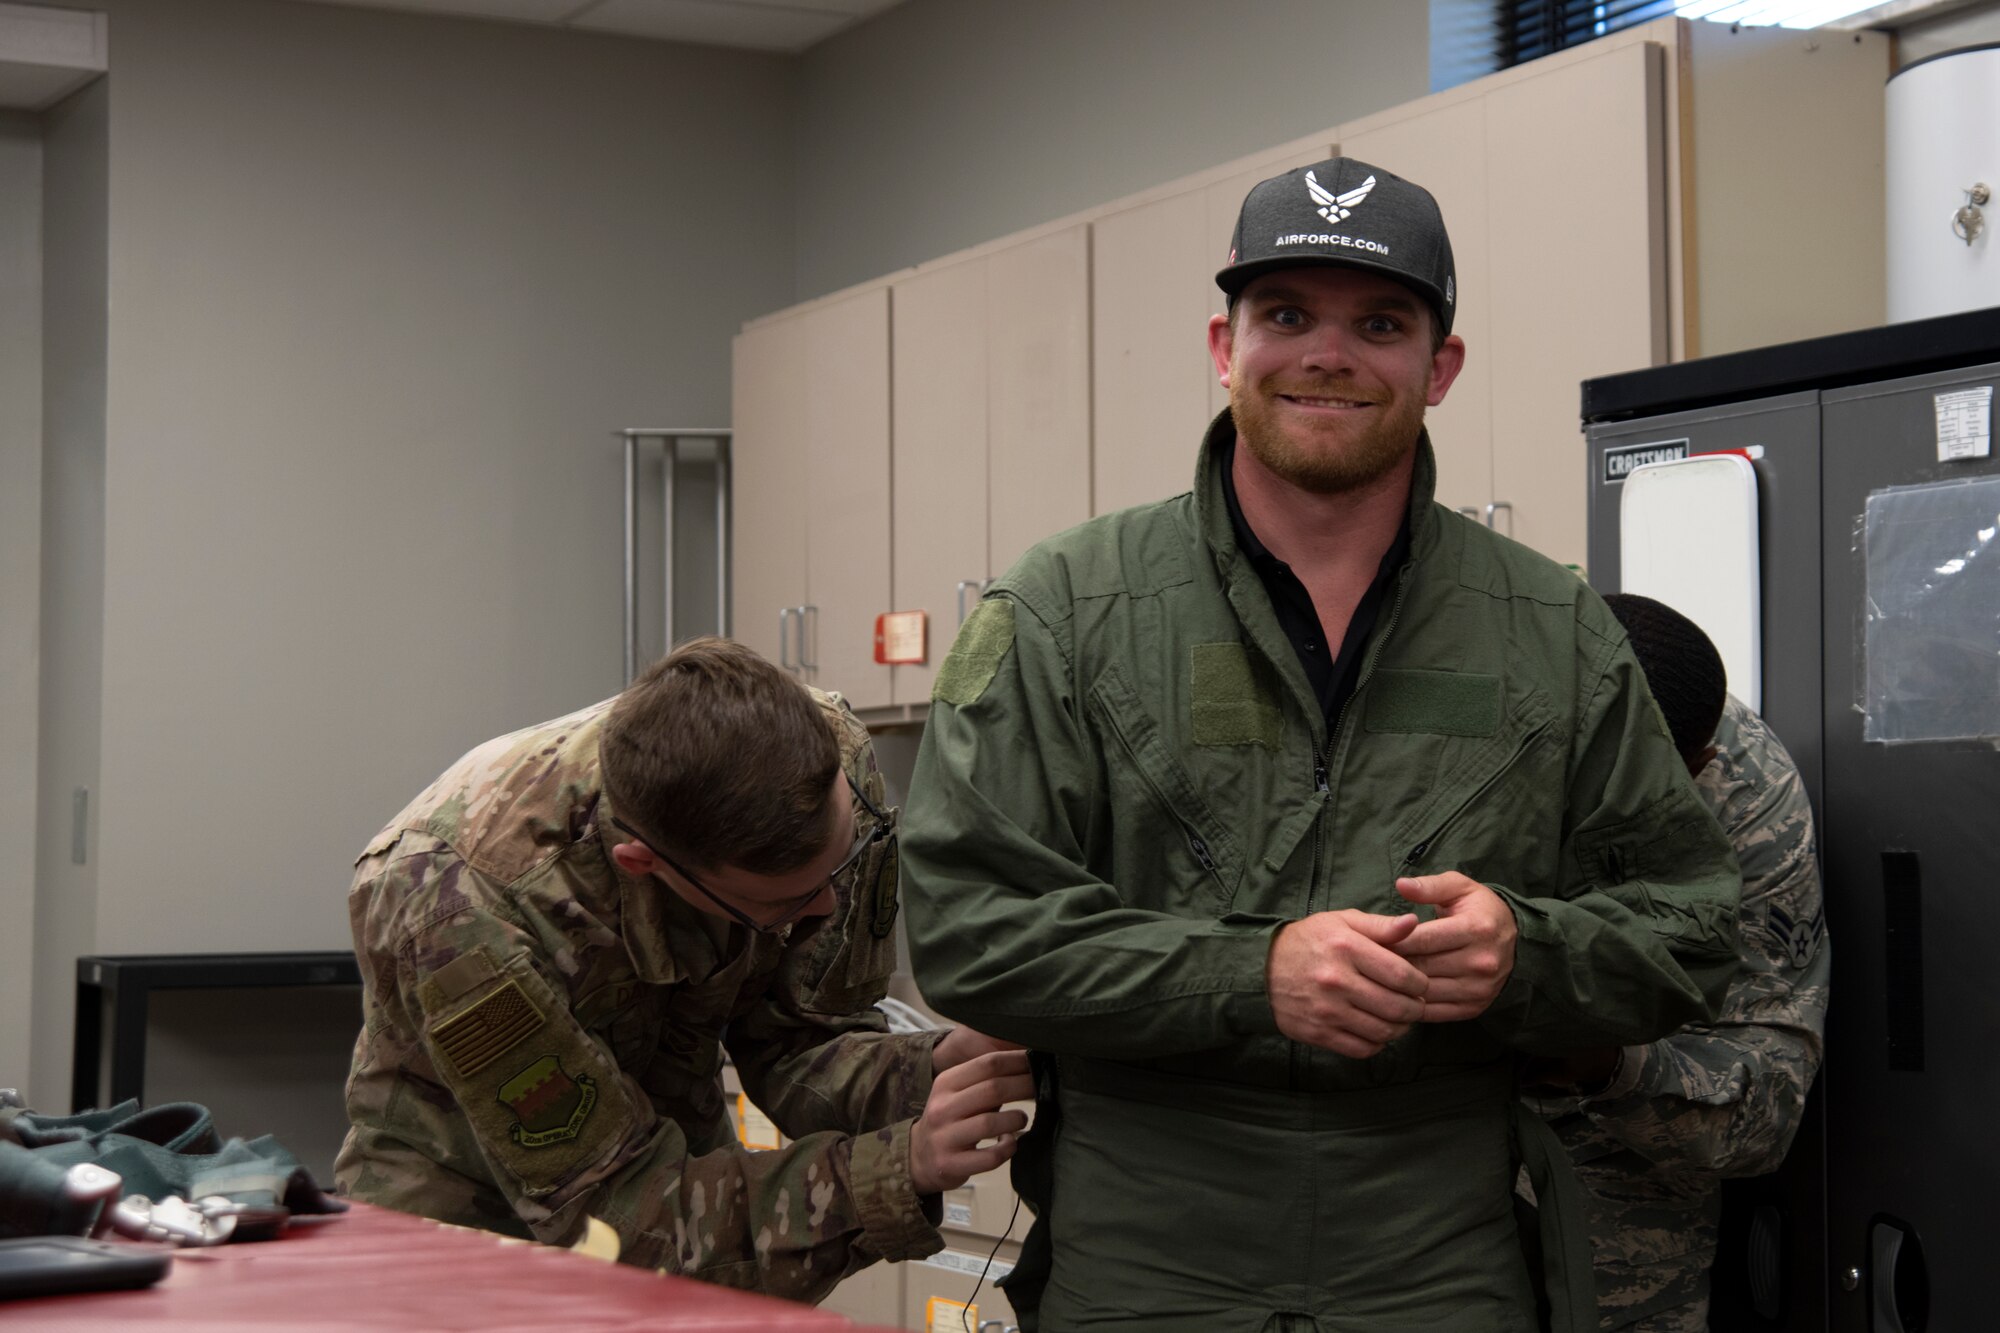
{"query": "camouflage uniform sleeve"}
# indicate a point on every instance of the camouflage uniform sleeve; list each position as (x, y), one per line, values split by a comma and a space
(1725, 1098)
(515, 1091)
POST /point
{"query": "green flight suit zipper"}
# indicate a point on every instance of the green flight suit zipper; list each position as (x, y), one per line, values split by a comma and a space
(1321, 759)
(1322, 784)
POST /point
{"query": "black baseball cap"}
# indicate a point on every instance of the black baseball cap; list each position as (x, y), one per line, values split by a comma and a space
(1346, 213)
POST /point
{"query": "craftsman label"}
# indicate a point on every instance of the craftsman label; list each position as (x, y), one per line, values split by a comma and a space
(1964, 423)
(1619, 462)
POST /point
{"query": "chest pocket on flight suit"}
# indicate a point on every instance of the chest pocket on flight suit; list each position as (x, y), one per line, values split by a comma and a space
(1500, 787)
(1189, 863)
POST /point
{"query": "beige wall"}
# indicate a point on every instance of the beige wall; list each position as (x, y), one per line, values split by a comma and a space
(943, 123)
(380, 288)
(20, 565)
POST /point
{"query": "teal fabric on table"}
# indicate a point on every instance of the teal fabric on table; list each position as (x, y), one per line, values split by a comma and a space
(170, 1150)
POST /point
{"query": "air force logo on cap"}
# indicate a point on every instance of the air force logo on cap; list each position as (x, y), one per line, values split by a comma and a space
(1303, 218)
(1337, 208)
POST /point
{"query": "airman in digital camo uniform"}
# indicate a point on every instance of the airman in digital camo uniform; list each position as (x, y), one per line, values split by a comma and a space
(1674, 1117)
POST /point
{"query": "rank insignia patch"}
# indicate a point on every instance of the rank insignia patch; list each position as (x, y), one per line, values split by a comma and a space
(488, 1030)
(548, 1105)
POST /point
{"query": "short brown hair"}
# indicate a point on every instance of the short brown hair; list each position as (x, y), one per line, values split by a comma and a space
(717, 756)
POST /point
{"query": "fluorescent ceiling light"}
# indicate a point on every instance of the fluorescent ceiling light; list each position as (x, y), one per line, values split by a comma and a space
(1771, 13)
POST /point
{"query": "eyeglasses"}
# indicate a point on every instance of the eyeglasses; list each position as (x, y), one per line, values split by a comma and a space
(882, 829)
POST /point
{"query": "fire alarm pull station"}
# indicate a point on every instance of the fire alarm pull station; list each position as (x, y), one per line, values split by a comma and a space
(902, 637)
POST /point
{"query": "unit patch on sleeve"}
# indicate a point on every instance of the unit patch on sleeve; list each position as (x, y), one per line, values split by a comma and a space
(548, 1105)
(488, 1030)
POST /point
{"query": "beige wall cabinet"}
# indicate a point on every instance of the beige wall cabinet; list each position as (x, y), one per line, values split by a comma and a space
(991, 412)
(1151, 368)
(1561, 271)
(810, 535)
(768, 529)
(1444, 147)
(1154, 389)
(939, 501)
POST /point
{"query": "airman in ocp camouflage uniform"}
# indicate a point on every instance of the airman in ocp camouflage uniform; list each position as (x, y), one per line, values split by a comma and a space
(544, 1032)
(1711, 1100)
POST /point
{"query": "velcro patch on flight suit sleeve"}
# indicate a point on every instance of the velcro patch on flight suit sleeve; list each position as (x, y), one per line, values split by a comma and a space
(976, 654)
(1230, 704)
(1436, 703)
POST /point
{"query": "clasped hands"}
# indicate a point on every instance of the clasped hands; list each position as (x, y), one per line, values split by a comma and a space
(1351, 982)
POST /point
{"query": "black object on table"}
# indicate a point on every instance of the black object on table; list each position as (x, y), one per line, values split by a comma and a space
(58, 1265)
(128, 980)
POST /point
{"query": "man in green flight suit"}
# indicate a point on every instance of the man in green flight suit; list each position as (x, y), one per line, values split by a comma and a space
(560, 936)
(1281, 817)
(1654, 1129)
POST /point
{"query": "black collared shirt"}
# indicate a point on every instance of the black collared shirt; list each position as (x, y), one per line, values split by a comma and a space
(1332, 675)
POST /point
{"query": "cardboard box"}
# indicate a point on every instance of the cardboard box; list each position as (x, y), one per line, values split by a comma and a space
(754, 1129)
(984, 1206)
(947, 1294)
(872, 1296)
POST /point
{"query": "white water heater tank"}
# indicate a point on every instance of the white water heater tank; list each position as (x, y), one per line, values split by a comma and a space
(1943, 184)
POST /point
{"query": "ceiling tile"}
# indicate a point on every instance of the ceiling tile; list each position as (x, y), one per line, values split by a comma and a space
(760, 26)
(765, 25)
(519, 11)
(858, 9)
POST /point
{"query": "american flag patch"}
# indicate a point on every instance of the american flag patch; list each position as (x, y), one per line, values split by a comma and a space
(488, 1030)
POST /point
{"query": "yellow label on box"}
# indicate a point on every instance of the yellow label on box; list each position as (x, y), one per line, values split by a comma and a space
(754, 1127)
(947, 1316)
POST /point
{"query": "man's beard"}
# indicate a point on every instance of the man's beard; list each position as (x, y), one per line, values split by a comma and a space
(1344, 456)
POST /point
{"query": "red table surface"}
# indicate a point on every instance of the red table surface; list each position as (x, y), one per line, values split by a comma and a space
(372, 1268)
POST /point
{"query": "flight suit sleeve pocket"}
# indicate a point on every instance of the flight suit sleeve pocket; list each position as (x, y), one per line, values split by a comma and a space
(1657, 842)
(543, 1099)
(1654, 849)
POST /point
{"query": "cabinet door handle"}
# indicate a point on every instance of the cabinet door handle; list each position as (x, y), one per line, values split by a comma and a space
(1494, 508)
(1470, 511)
(784, 661)
(963, 584)
(814, 664)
